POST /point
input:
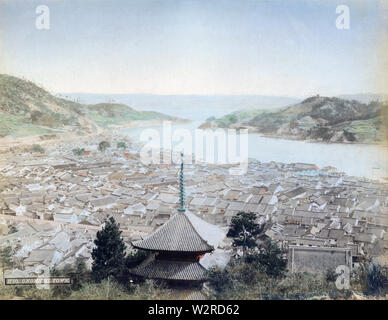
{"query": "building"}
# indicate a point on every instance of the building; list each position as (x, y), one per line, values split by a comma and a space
(177, 247)
(318, 259)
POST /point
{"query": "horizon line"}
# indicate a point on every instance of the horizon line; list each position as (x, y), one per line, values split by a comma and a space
(225, 94)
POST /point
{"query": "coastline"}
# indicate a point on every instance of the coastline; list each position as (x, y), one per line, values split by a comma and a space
(9, 142)
(253, 130)
(10, 147)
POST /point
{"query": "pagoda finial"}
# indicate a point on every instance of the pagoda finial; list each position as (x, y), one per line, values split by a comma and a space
(182, 194)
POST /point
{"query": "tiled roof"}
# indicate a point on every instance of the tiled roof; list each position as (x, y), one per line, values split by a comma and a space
(170, 270)
(177, 234)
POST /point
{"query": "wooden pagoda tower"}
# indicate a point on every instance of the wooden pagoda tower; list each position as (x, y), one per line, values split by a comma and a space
(177, 247)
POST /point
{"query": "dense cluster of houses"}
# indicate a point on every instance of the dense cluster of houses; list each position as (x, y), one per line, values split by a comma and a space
(52, 204)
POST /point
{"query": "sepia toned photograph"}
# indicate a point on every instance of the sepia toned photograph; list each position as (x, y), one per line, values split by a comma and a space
(183, 150)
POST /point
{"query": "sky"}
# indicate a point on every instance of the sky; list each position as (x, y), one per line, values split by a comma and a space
(205, 47)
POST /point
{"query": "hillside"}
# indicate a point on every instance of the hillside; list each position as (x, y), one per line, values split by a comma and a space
(26, 109)
(232, 119)
(317, 118)
(105, 114)
(193, 107)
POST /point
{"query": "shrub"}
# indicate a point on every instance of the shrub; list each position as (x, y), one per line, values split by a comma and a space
(37, 148)
(124, 277)
(103, 145)
(59, 291)
(121, 145)
(375, 279)
(270, 259)
(151, 290)
(220, 279)
(232, 118)
(330, 275)
(135, 257)
(6, 254)
(78, 151)
(80, 276)
(247, 273)
(106, 289)
(12, 229)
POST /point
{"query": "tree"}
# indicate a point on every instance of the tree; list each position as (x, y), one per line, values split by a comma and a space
(103, 145)
(36, 116)
(220, 279)
(78, 151)
(12, 229)
(109, 253)
(81, 274)
(375, 278)
(330, 275)
(121, 145)
(133, 259)
(244, 230)
(270, 259)
(232, 118)
(37, 148)
(6, 257)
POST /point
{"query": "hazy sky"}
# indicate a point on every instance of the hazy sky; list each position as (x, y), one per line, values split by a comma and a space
(194, 47)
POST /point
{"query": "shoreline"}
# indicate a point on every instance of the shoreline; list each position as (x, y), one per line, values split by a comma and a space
(9, 142)
(19, 145)
(298, 138)
(253, 130)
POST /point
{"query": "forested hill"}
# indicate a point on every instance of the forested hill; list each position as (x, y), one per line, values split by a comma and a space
(317, 118)
(27, 109)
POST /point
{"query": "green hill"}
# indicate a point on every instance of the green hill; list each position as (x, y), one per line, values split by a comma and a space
(317, 118)
(26, 109)
(105, 114)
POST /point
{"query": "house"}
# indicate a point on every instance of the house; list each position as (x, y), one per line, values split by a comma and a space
(66, 217)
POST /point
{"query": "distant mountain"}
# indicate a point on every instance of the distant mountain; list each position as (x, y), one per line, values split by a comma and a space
(106, 114)
(193, 107)
(151, 101)
(26, 109)
(318, 118)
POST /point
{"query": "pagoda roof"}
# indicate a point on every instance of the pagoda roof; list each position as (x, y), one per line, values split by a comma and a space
(170, 270)
(177, 234)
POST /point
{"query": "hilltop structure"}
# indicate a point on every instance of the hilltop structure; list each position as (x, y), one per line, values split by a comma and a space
(177, 246)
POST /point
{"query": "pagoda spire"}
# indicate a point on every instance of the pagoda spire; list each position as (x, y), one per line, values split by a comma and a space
(182, 193)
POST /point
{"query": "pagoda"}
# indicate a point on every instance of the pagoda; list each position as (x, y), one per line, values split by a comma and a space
(177, 247)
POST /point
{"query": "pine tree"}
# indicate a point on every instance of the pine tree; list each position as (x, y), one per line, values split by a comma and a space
(109, 253)
(244, 230)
